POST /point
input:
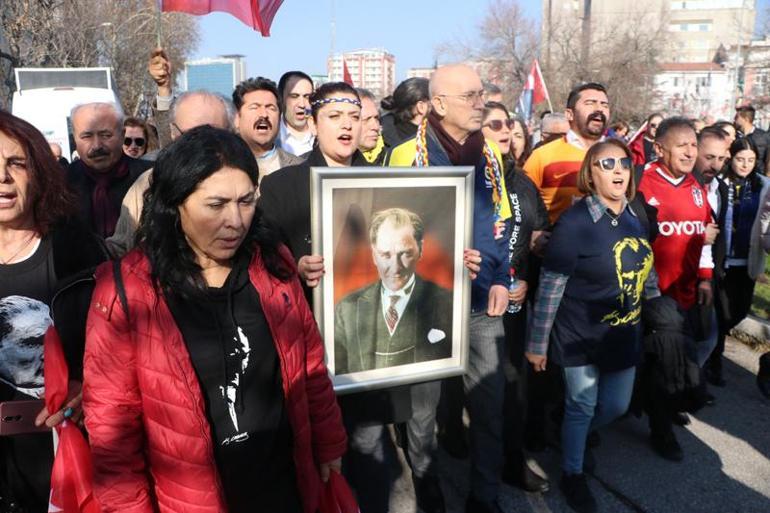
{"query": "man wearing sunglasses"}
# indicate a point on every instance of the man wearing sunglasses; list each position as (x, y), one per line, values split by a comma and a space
(135, 140)
(554, 166)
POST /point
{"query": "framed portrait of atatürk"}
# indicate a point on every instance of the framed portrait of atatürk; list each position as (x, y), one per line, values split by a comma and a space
(394, 303)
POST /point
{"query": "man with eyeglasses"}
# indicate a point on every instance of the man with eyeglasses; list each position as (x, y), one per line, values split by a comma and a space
(188, 110)
(554, 166)
(104, 173)
(682, 248)
(451, 136)
(135, 139)
(295, 88)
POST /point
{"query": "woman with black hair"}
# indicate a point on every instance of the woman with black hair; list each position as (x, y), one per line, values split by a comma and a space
(285, 194)
(529, 224)
(210, 392)
(744, 258)
(407, 107)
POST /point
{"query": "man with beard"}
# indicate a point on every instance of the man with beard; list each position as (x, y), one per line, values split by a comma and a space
(104, 173)
(554, 166)
(713, 151)
(295, 88)
(257, 118)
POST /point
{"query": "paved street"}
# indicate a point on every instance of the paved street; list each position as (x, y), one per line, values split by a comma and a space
(726, 467)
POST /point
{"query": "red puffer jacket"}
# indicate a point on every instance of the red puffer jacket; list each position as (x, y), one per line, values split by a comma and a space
(151, 443)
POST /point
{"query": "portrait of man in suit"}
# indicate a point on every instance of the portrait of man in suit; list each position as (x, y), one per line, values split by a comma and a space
(401, 318)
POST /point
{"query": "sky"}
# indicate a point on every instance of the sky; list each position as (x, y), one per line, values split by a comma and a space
(301, 32)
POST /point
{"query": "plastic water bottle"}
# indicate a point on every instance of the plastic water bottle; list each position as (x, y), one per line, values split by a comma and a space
(512, 286)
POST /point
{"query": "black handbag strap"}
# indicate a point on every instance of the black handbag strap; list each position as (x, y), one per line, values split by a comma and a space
(118, 277)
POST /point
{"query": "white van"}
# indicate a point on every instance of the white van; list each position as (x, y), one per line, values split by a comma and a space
(45, 97)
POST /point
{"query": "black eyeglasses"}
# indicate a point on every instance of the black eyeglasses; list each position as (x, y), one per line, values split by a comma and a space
(497, 124)
(139, 141)
(609, 163)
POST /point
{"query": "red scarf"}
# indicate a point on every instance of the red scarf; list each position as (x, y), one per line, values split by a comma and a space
(468, 154)
(104, 213)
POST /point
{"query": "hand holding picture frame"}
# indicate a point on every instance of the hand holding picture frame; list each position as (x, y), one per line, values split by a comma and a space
(393, 306)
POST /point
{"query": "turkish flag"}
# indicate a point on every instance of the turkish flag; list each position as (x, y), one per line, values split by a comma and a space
(346, 74)
(257, 14)
(72, 474)
(532, 93)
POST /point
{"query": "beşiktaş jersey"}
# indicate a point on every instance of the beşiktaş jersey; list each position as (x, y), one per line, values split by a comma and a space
(681, 257)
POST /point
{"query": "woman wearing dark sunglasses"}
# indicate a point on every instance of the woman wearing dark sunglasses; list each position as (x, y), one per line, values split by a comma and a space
(530, 218)
(510, 134)
(135, 141)
(589, 303)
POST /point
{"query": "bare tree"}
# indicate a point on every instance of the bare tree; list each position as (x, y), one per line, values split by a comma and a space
(623, 56)
(83, 33)
(509, 41)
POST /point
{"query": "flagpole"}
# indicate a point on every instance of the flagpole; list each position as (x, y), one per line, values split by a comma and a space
(542, 81)
(158, 24)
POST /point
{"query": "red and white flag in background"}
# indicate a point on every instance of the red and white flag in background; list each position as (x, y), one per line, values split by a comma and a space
(533, 93)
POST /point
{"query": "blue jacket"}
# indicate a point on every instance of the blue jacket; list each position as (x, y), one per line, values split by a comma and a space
(494, 252)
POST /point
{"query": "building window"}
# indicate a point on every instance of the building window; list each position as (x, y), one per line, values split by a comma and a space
(692, 26)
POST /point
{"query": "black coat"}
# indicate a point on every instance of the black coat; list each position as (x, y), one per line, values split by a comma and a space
(83, 186)
(285, 201)
(529, 214)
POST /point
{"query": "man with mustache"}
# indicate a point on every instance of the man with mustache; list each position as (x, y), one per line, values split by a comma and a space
(682, 247)
(104, 173)
(713, 152)
(295, 88)
(257, 118)
(451, 136)
(401, 318)
(554, 167)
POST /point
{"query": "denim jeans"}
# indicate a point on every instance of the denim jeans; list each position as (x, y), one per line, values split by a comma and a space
(592, 399)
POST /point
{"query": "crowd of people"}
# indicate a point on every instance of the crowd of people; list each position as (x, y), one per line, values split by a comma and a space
(605, 279)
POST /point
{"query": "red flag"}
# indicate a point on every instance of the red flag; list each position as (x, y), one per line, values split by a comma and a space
(536, 84)
(257, 14)
(346, 74)
(72, 474)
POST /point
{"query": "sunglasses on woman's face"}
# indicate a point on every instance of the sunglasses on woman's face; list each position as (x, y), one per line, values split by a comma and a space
(610, 163)
(139, 141)
(497, 124)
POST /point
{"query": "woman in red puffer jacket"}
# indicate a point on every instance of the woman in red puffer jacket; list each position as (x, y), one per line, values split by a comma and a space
(209, 393)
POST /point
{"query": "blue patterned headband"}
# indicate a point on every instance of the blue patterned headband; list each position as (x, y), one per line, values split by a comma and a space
(335, 99)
